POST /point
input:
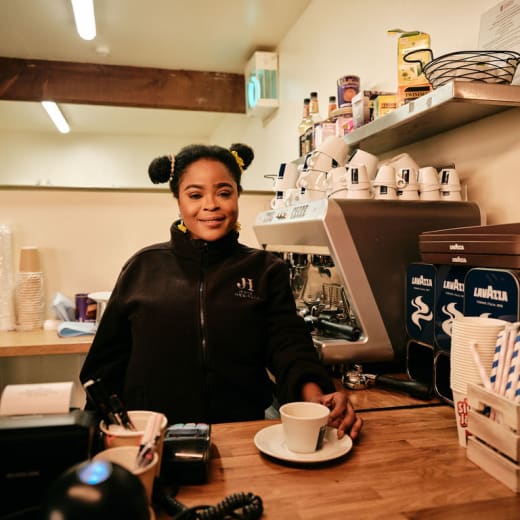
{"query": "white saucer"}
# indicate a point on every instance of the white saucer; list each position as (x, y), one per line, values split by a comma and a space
(270, 441)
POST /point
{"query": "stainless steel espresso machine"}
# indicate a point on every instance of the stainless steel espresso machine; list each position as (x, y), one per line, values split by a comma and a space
(348, 261)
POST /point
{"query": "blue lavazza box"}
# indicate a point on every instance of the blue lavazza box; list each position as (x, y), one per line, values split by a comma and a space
(449, 302)
(420, 301)
(492, 293)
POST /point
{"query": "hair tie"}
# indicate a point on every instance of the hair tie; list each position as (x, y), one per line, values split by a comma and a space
(172, 165)
(238, 159)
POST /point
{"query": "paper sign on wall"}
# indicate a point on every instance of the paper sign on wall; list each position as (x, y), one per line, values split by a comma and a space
(500, 29)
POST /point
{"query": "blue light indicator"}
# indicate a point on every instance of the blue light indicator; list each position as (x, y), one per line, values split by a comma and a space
(95, 472)
(253, 91)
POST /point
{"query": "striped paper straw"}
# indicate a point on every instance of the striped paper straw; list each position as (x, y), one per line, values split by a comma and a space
(514, 368)
(499, 349)
(506, 361)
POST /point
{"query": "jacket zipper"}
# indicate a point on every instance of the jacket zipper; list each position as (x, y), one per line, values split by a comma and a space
(203, 339)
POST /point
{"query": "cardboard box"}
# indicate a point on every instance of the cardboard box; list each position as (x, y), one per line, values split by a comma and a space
(411, 81)
(384, 104)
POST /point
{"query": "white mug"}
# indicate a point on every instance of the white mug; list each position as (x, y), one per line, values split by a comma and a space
(336, 148)
(287, 176)
(385, 176)
(402, 160)
(406, 178)
(278, 201)
(304, 425)
(370, 161)
(382, 192)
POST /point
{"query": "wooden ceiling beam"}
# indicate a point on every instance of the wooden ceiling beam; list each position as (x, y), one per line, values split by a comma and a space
(116, 85)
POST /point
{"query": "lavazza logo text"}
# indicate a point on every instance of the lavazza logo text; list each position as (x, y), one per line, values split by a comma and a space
(453, 285)
(488, 293)
(422, 280)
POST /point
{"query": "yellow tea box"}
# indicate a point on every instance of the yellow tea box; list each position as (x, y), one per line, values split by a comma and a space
(383, 104)
(411, 81)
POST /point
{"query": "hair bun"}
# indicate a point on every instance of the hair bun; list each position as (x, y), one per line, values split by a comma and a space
(160, 169)
(245, 152)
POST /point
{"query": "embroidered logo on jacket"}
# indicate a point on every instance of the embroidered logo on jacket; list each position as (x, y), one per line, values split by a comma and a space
(245, 288)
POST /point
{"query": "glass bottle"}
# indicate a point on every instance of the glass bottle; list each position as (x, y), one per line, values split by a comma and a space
(316, 118)
(304, 126)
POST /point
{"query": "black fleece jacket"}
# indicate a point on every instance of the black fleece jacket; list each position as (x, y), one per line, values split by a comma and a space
(191, 327)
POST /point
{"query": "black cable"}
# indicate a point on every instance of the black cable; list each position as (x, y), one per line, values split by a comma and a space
(241, 506)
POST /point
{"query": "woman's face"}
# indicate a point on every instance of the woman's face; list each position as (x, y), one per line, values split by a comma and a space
(208, 200)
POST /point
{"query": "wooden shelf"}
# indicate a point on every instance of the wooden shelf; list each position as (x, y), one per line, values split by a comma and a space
(450, 106)
(41, 343)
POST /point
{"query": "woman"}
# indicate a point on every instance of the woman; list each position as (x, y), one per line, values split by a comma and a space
(193, 323)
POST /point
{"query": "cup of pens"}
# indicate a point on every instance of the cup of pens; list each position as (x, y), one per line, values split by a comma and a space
(474, 342)
(148, 427)
(129, 457)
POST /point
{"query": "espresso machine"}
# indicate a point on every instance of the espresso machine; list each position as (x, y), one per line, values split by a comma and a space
(348, 261)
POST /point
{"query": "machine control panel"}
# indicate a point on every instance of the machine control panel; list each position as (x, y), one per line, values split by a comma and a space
(307, 211)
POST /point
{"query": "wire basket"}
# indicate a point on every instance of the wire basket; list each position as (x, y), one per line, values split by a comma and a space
(484, 66)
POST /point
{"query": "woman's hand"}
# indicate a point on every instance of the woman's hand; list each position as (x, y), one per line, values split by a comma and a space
(342, 414)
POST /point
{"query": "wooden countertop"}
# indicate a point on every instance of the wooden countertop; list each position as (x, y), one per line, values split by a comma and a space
(407, 465)
(41, 343)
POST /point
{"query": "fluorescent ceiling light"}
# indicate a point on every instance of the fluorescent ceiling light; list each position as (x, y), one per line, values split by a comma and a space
(84, 17)
(57, 117)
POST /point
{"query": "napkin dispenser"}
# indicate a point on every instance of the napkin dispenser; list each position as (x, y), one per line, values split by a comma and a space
(36, 449)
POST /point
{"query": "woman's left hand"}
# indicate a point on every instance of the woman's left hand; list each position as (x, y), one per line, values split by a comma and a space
(342, 414)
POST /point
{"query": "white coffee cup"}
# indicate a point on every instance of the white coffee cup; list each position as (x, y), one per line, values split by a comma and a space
(295, 196)
(287, 176)
(450, 195)
(357, 178)
(304, 425)
(336, 148)
(449, 178)
(312, 180)
(340, 193)
(406, 179)
(432, 194)
(337, 178)
(402, 160)
(385, 176)
(428, 176)
(403, 194)
(370, 161)
(365, 193)
(278, 201)
(382, 192)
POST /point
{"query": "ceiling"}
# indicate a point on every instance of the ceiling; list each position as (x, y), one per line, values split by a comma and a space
(202, 35)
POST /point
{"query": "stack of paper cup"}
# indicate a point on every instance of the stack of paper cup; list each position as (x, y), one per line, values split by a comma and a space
(464, 368)
(7, 317)
(29, 296)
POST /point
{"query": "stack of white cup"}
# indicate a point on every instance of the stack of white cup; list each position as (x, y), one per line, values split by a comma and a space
(407, 185)
(331, 153)
(428, 179)
(465, 330)
(384, 185)
(358, 183)
(450, 184)
(337, 183)
(285, 186)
